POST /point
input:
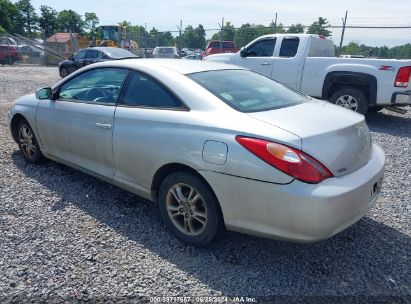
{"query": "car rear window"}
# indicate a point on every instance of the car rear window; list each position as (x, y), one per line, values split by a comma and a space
(247, 91)
(118, 53)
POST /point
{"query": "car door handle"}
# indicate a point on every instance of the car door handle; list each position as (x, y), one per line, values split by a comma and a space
(103, 125)
(265, 63)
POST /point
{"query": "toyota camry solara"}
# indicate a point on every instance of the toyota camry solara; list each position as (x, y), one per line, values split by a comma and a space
(216, 146)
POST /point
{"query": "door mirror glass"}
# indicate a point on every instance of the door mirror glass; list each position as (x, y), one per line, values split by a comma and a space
(243, 52)
(44, 93)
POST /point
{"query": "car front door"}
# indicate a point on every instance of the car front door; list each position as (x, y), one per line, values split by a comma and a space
(259, 56)
(146, 117)
(77, 127)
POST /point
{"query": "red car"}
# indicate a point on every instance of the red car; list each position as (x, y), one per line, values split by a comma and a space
(213, 47)
(8, 54)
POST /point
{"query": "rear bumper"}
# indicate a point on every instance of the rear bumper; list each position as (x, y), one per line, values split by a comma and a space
(298, 211)
(401, 98)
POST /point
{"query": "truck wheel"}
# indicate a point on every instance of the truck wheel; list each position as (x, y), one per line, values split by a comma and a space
(350, 98)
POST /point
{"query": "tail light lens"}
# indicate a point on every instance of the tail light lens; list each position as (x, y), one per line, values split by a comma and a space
(286, 159)
(403, 77)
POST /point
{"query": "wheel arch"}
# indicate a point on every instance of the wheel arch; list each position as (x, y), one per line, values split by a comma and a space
(170, 168)
(363, 81)
(17, 118)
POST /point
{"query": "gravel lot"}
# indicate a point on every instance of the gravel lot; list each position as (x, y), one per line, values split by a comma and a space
(68, 236)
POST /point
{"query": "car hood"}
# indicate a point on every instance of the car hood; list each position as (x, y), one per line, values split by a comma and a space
(337, 137)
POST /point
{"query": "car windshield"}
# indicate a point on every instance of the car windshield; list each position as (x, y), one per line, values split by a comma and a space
(118, 53)
(248, 91)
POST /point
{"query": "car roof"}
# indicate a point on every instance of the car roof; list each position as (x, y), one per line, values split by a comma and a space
(180, 66)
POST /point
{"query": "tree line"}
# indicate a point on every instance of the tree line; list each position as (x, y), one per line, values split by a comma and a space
(21, 18)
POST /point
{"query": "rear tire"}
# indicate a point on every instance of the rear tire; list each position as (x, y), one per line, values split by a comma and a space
(189, 209)
(28, 144)
(350, 98)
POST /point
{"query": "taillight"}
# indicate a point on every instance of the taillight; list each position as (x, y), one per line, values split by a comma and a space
(286, 159)
(403, 77)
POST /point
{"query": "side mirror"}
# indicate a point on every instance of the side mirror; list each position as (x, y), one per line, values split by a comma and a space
(44, 93)
(243, 52)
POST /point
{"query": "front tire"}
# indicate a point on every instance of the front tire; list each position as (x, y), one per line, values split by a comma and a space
(189, 209)
(64, 72)
(28, 144)
(350, 98)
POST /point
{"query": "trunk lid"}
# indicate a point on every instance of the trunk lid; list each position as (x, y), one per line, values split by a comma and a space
(337, 137)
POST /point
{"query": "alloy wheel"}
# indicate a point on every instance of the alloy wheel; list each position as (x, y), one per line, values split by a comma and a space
(186, 209)
(26, 139)
(347, 101)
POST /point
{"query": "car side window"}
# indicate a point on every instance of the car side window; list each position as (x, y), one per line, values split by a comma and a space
(144, 91)
(101, 85)
(80, 55)
(93, 54)
(262, 48)
(289, 46)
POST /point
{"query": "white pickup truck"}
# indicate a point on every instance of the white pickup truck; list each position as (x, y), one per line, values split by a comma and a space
(308, 64)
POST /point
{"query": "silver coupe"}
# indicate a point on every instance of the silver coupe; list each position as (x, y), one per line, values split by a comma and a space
(215, 145)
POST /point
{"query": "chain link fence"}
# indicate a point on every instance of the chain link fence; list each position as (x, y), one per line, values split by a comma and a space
(364, 41)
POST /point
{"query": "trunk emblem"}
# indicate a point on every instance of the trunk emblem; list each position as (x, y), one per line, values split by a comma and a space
(343, 169)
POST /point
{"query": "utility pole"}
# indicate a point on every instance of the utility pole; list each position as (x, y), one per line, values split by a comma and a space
(343, 30)
(221, 34)
(145, 39)
(275, 24)
(180, 28)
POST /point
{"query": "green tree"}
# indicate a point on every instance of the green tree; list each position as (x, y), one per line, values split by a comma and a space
(91, 21)
(200, 40)
(48, 20)
(246, 33)
(318, 27)
(135, 32)
(8, 15)
(352, 49)
(70, 21)
(296, 28)
(383, 52)
(277, 29)
(401, 51)
(228, 33)
(194, 37)
(26, 21)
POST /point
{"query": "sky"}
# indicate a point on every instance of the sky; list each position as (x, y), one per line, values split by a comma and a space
(166, 15)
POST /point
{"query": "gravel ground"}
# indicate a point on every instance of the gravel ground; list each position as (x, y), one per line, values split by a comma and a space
(68, 236)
